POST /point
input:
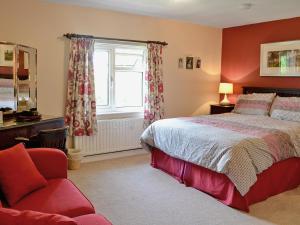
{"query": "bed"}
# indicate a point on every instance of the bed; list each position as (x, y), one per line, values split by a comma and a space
(265, 162)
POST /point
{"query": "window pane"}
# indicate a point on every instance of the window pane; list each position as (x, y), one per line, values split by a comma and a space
(129, 61)
(129, 89)
(136, 51)
(101, 70)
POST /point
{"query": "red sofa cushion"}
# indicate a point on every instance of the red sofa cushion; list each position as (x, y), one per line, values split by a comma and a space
(92, 219)
(60, 196)
(27, 217)
(18, 174)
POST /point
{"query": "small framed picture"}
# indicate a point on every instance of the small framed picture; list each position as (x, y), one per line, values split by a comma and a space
(189, 63)
(8, 55)
(180, 63)
(197, 63)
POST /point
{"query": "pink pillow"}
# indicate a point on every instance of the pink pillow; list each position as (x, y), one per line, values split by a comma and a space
(254, 104)
(27, 217)
(18, 174)
(286, 108)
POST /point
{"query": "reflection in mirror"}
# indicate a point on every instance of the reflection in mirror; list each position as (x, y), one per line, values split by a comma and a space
(23, 58)
(7, 62)
(7, 96)
(26, 78)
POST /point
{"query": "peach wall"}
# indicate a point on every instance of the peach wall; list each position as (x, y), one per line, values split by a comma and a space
(40, 24)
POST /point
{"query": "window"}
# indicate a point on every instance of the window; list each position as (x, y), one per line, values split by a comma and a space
(119, 77)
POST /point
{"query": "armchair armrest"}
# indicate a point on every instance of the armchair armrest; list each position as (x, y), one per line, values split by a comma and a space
(52, 163)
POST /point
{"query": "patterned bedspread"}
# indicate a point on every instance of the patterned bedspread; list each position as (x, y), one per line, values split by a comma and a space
(239, 146)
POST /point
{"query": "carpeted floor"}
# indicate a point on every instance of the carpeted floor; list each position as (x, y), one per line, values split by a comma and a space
(129, 191)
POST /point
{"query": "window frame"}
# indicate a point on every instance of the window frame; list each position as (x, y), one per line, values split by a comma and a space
(111, 108)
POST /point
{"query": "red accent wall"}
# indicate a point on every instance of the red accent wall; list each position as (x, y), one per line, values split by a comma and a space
(241, 53)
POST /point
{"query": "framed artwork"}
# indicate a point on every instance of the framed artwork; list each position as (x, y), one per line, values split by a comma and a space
(180, 63)
(189, 63)
(6, 55)
(280, 59)
(197, 63)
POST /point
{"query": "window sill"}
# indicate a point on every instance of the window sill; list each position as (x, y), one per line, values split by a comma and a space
(119, 115)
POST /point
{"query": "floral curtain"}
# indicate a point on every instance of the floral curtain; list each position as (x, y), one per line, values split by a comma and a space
(154, 99)
(81, 104)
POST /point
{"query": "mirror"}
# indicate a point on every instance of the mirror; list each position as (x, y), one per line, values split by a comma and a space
(18, 77)
(26, 78)
(7, 88)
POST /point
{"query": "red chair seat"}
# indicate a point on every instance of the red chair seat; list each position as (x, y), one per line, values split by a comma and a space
(92, 219)
(60, 196)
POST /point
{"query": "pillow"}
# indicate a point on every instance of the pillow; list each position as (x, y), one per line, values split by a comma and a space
(18, 174)
(254, 104)
(27, 217)
(286, 108)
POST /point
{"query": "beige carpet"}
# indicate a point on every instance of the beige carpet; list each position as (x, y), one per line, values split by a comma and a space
(130, 192)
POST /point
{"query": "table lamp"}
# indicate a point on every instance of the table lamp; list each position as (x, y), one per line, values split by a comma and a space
(225, 88)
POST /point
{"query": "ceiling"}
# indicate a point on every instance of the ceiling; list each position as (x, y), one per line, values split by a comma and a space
(216, 13)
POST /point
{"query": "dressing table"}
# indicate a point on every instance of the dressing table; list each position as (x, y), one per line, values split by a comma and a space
(18, 92)
(9, 130)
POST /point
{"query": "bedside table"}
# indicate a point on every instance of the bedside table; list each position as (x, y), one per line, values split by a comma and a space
(217, 108)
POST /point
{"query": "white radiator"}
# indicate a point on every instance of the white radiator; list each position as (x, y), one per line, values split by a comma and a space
(112, 136)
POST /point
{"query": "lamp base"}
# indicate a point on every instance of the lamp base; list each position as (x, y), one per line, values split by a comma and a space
(225, 101)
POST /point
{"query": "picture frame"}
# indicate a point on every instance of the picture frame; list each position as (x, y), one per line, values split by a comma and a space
(280, 59)
(6, 55)
(180, 63)
(197, 62)
(189, 63)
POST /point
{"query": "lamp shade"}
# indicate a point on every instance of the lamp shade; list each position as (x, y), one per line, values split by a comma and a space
(226, 88)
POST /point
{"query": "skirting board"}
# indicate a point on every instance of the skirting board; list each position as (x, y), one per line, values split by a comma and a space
(114, 155)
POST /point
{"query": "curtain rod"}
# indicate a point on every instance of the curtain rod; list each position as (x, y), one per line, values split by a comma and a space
(71, 35)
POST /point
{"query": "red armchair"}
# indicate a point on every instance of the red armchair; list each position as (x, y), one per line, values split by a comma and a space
(50, 162)
(60, 196)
